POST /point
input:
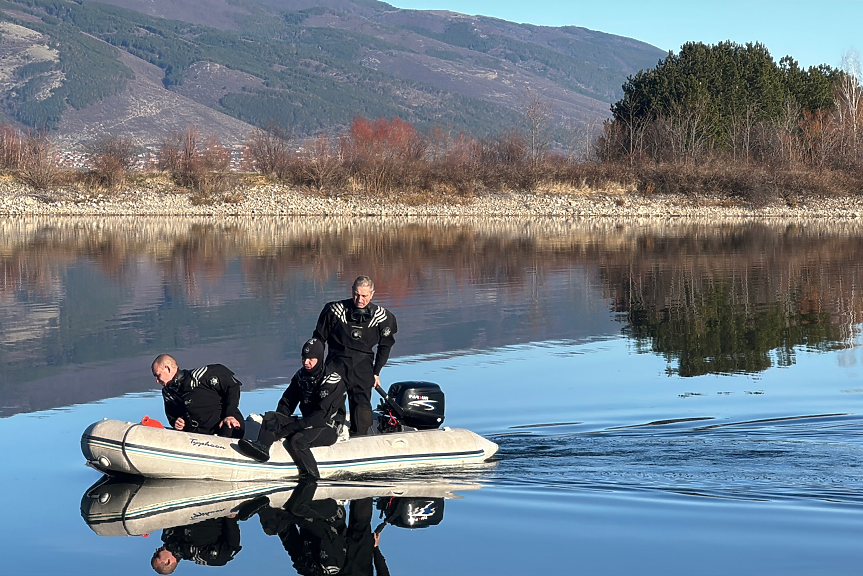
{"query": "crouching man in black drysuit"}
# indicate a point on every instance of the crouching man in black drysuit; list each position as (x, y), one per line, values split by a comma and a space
(213, 542)
(205, 400)
(320, 394)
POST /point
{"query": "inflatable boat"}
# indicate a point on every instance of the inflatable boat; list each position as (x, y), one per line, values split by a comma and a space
(409, 437)
(133, 506)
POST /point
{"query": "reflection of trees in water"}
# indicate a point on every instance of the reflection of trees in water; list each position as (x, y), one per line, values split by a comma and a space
(717, 298)
(400, 260)
(740, 300)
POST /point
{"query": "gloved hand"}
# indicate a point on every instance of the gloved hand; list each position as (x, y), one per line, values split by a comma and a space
(294, 426)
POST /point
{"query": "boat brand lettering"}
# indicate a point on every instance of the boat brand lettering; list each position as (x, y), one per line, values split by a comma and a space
(424, 404)
(197, 515)
(206, 443)
(421, 513)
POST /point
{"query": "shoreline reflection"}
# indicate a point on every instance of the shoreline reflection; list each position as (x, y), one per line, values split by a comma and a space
(727, 297)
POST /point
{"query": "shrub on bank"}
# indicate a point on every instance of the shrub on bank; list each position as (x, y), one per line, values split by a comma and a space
(390, 158)
(111, 159)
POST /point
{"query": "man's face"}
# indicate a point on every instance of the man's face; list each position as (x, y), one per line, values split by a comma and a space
(163, 562)
(163, 373)
(362, 296)
(309, 363)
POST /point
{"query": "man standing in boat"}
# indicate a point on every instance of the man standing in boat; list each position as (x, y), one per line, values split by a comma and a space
(205, 400)
(352, 329)
(320, 394)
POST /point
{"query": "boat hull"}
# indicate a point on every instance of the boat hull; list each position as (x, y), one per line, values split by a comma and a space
(113, 446)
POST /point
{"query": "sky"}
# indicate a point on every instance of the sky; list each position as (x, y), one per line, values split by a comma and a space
(811, 32)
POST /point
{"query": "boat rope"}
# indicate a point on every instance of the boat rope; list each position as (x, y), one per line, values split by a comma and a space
(123, 448)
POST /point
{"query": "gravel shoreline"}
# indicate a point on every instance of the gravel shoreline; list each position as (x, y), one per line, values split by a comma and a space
(17, 199)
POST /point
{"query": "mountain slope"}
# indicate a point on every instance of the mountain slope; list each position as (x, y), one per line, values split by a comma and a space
(311, 65)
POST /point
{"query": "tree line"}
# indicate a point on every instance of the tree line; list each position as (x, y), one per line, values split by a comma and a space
(728, 101)
(724, 119)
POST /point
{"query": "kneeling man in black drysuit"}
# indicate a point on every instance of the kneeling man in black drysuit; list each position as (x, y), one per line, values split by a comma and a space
(320, 395)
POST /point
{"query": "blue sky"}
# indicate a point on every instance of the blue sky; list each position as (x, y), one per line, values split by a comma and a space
(811, 32)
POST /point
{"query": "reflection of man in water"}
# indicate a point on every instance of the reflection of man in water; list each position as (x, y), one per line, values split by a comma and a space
(312, 531)
(363, 551)
(213, 542)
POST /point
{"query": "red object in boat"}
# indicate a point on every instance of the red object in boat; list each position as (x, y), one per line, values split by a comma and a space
(147, 421)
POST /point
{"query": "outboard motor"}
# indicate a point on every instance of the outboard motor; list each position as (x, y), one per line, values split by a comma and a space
(412, 404)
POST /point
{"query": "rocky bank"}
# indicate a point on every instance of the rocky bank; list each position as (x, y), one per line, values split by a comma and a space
(17, 199)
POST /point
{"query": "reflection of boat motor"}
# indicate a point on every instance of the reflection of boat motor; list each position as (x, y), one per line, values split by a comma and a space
(410, 512)
(411, 405)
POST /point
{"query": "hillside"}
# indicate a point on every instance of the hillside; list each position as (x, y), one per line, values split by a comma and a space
(144, 68)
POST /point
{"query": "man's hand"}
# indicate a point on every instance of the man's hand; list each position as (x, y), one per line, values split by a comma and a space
(179, 424)
(377, 381)
(230, 422)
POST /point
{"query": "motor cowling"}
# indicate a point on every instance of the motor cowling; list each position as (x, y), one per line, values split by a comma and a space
(412, 512)
(422, 403)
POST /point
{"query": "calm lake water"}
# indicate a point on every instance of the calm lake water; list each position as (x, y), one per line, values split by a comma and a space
(669, 397)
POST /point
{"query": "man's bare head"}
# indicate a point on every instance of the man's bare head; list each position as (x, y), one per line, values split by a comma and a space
(163, 561)
(164, 368)
(362, 291)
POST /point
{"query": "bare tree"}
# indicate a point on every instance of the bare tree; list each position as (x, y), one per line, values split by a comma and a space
(634, 126)
(321, 164)
(268, 149)
(740, 132)
(11, 147)
(111, 159)
(848, 104)
(583, 137)
(689, 129)
(200, 164)
(538, 114)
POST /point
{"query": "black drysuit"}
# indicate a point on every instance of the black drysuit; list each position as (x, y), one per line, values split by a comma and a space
(351, 335)
(320, 395)
(203, 398)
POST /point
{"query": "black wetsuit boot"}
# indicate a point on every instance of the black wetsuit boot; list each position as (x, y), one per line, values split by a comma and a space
(257, 449)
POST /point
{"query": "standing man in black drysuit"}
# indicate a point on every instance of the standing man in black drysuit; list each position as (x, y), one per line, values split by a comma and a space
(205, 400)
(352, 328)
(320, 394)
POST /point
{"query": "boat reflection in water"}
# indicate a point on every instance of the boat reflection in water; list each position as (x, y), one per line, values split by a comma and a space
(325, 527)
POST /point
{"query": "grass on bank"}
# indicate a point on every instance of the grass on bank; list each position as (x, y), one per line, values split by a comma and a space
(397, 164)
(729, 184)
